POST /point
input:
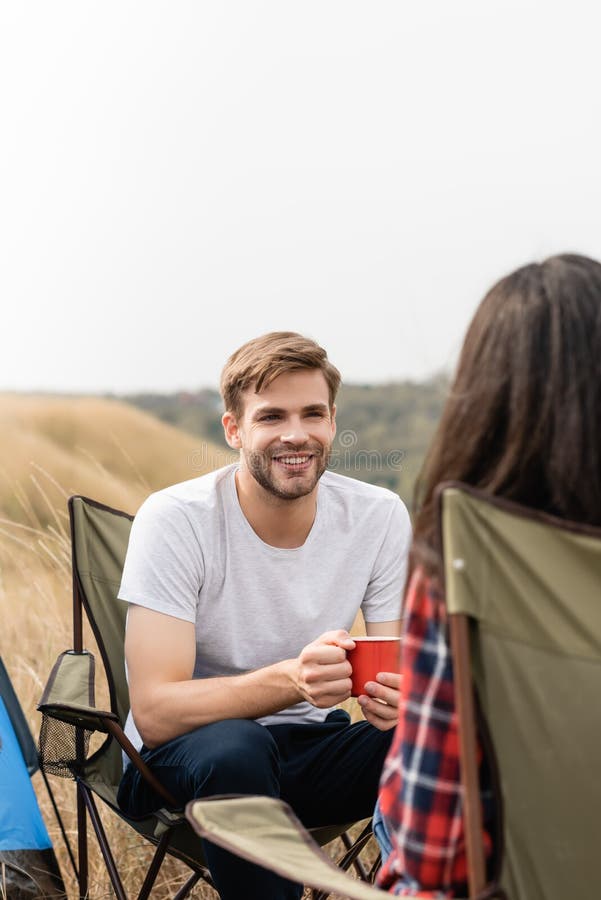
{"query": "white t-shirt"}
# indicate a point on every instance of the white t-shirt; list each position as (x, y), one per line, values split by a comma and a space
(193, 555)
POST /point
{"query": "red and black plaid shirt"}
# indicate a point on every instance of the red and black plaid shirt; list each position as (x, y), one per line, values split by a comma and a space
(420, 791)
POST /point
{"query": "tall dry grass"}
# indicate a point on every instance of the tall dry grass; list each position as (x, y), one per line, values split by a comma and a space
(94, 446)
(53, 447)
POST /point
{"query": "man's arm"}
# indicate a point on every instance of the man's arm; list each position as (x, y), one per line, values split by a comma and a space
(383, 629)
(167, 702)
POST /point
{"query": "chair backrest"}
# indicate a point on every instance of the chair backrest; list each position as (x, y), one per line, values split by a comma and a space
(531, 587)
(99, 538)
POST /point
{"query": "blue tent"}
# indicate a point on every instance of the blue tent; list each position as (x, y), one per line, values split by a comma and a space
(28, 865)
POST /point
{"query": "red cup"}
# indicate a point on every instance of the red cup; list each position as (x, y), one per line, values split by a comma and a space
(370, 656)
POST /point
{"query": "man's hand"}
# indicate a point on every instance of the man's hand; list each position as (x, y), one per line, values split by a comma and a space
(323, 673)
(380, 703)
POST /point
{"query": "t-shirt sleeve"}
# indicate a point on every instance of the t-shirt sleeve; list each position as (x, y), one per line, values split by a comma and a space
(384, 595)
(163, 567)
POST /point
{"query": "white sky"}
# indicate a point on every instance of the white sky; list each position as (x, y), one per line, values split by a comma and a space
(178, 177)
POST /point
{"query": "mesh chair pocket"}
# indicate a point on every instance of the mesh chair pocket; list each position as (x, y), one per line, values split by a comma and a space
(63, 747)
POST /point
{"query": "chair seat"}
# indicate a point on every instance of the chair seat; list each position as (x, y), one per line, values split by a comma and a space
(184, 841)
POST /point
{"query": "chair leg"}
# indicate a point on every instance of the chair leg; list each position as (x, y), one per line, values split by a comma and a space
(375, 868)
(187, 887)
(316, 894)
(358, 865)
(82, 843)
(109, 859)
(349, 858)
(155, 865)
(61, 824)
(351, 855)
(87, 806)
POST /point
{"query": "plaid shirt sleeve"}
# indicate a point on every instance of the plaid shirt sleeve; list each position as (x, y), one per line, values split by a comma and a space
(420, 792)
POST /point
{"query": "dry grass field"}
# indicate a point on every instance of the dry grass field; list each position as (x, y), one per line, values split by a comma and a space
(53, 447)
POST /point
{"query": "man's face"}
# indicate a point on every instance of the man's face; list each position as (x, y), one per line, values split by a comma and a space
(285, 433)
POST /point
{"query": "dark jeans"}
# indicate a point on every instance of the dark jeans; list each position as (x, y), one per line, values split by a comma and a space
(327, 772)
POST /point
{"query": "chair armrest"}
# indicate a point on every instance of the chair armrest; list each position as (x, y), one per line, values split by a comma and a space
(69, 693)
(80, 716)
(115, 730)
(69, 698)
(265, 830)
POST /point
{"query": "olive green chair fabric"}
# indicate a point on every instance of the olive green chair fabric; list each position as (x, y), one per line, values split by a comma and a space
(531, 587)
(264, 830)
(99, 541)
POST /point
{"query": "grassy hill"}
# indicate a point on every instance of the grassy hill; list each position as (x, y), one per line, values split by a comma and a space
(56, 446)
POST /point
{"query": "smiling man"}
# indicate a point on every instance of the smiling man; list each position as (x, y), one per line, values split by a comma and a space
(242, 587)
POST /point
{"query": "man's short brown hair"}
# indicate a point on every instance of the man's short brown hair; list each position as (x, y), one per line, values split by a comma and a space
(260, 361)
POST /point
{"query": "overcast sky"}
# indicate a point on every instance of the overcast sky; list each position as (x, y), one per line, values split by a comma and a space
(179, 177)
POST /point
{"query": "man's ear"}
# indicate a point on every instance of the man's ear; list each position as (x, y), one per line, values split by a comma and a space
(231, 430)
(333, 418)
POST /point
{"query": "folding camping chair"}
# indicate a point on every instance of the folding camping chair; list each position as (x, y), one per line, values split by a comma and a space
(99, 538)
(523, 592)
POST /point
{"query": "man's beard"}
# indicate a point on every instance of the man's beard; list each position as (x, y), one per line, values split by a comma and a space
(261, 466)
